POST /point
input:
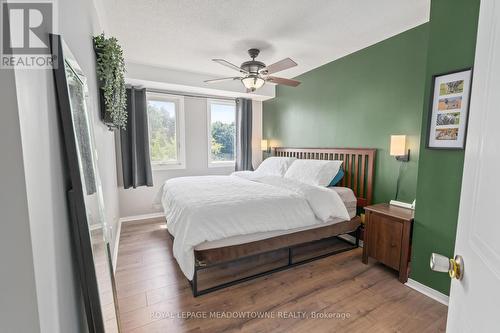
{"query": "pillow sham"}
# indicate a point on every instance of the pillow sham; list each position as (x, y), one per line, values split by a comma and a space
(275, 166)
(313, 172)
(338, 177)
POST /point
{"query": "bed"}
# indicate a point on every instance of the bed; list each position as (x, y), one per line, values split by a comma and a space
(231, 229)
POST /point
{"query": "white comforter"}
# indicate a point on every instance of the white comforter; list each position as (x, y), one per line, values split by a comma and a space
(209, 208)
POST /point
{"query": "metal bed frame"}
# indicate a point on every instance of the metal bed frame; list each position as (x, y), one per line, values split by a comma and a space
(290, 264)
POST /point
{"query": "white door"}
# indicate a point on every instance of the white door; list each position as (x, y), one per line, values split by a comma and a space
(475, 300)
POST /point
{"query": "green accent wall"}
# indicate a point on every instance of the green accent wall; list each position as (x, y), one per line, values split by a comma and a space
(359, 101)
(452, 41)
(363, 98)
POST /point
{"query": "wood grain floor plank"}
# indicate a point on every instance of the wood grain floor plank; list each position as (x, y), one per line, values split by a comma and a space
(343, 294)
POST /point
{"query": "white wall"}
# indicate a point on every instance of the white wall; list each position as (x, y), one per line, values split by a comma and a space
(58, 289)
(256, 133)
(139, 201)
(18, 307)
(191, 82)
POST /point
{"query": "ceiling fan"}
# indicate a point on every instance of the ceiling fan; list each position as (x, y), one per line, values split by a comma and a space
(254, 74)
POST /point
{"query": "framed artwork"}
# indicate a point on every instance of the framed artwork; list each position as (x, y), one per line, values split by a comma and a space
(449, 110)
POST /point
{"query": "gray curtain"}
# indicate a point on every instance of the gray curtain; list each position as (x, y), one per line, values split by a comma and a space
(136, 163)
(243, 134)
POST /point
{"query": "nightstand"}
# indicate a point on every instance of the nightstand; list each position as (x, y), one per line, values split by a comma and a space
(388, 237)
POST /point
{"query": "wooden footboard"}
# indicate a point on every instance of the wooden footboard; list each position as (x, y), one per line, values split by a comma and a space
(226, 266)
(228, 253)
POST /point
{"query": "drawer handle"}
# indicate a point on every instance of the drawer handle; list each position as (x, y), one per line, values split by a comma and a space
(393, 244)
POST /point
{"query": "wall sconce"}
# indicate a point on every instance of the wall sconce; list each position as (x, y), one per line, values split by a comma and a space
(398, 148)
(264, 146)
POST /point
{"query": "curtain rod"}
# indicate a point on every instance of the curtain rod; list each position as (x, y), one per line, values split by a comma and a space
(188, 95)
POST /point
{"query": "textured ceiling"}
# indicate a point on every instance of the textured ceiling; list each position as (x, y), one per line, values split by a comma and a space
(186, 34)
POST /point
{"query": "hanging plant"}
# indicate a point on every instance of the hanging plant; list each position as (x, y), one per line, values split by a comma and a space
(111, 76)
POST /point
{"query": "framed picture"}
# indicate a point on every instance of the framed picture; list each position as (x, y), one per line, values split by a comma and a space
(449, 111)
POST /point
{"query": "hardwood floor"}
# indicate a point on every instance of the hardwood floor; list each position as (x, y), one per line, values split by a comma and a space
(154, 295)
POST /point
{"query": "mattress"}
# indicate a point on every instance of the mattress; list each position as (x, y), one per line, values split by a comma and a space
(209, 208)
(348, 198)
(345, 193)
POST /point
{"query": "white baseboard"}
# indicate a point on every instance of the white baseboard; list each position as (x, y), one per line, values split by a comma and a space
(94, 227)
(119, 231)
(142, 217)
(117, 244)
(428, 291)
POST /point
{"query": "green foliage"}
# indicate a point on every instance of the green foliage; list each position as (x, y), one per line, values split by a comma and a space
(162, 135)
(223, 136)
(216, 147)
(111, 75)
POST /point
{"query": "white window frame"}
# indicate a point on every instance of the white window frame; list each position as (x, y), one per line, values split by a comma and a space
(218, 164)
(180, 131)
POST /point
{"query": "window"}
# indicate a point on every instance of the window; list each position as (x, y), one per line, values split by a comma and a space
(166, 131)
(221, 132)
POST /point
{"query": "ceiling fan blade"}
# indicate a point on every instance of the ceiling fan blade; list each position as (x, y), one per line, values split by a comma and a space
(279, 66)
(283, 81)
(230, 65)
(222, 79)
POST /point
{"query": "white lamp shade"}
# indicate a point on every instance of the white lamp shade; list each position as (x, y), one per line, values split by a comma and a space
(253, 82)
(398, 145)
(263, 145)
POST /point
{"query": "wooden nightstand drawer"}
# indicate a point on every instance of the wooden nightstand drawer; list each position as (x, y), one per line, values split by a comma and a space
(385, 235)
(388, 237)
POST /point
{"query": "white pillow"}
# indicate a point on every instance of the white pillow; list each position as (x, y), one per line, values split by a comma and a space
(274, 166)
(314, 172)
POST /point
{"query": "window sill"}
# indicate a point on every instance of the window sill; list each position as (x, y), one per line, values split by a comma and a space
(163, 167)
(222, 164)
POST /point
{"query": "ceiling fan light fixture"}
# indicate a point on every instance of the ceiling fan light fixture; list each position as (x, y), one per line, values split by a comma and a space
(253, 82)
(254, 74)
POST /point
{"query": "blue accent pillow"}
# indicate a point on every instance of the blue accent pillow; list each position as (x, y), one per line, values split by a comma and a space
(338, 177)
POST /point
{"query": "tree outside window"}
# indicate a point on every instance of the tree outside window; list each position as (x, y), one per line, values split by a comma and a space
(166, 130)
(222, 131)
(162, 131)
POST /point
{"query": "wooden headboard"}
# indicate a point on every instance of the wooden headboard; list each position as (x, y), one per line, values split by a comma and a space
(358, 166)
